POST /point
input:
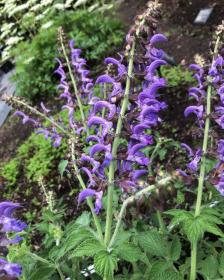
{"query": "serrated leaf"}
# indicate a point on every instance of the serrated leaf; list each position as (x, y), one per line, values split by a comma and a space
(153, 243)
(122, 237)
(72, 240)
(83, 220)
(87, 248)
(214, 229)
(62, 166)
(161, 270)
(209, 267)
(105, 264)
(42, 272)
(129, 252)
(194, 228)
(175, 249)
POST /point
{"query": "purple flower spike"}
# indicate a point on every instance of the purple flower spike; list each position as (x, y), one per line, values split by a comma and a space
(10, 269)
(157, 38)
(197, 110)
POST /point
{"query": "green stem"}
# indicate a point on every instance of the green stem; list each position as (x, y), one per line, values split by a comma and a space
(202, 170)
(89, 201)
(60, 272)
(130, 200)
(74, 86)
(161, 222)
(115, 148)
(193, 260)
(153, 155)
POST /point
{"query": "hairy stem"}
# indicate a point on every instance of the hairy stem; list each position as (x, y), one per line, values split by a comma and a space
(130, 200)
(115, 148)
(202, 171)
(74, 86)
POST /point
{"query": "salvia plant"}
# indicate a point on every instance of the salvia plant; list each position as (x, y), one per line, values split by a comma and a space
(110, 131)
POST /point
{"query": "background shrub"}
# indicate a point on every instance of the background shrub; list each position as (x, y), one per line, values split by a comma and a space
(96, 35)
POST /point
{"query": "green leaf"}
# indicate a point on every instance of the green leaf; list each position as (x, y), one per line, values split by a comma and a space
(62, 166)
(83, 220)
(153, 243)
(221, 264)
(42, 272)
(87, 248)
(105, 263)
(209, 267)
(129, 252)
(175, 249)
(194, 228)
(162, 270)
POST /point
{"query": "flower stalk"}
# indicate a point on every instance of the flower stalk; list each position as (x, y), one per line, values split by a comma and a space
(115, 148)
(74, 85)
(131, 199)
(202, 169)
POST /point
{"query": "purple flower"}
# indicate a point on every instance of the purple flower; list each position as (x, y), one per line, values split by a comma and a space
(91, 193)
(44, 108)
(152, 68)
(10, 269)
(151, 91)
(220, 185)
(26, 118)
(188, 149)
(149, 115)
(197, 110)
(157, 38)
(120, 67)
(100, 121)
(98, 106)
(92, 183)
(136, 174)
(193, 165)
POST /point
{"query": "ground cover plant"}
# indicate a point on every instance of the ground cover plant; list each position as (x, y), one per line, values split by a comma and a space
(115, 150)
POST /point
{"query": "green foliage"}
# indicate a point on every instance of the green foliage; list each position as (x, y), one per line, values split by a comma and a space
(35, 60)
(153, 243)
(22, 20)
(195, 227)
(105, 263)
(177, 75)
(35, 158)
